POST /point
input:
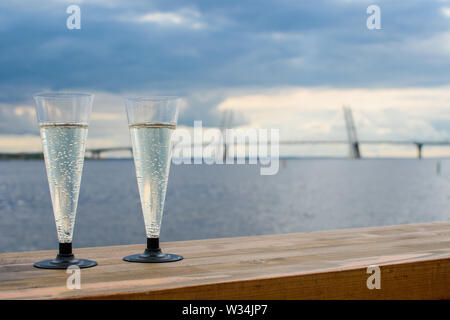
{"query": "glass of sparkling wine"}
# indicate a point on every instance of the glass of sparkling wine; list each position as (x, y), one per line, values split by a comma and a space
(63, 121)
(152, 121)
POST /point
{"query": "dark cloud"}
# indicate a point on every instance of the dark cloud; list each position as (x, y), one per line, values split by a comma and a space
(186, 47)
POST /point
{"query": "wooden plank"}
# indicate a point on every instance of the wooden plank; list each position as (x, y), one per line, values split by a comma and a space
(414, 261)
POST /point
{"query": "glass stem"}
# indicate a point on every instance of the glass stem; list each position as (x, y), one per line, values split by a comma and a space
(65, 249)
(152, 243)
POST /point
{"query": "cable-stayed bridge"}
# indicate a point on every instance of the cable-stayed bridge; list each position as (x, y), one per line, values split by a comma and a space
(227, 118)
(353, 142)
(96, 153)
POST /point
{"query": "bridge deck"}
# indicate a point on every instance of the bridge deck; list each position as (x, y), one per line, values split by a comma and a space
(414, 262)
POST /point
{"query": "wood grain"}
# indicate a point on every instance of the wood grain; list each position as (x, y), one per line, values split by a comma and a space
(414, 261)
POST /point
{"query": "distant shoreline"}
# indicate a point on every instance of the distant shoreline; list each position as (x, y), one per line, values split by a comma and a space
(40, 156)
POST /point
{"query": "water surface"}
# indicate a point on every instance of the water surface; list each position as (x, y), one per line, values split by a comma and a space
(206, 201)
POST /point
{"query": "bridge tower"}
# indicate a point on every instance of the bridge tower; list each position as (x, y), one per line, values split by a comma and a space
(351, 133)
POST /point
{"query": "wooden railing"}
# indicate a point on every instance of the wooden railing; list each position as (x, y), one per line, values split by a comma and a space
(414, 263)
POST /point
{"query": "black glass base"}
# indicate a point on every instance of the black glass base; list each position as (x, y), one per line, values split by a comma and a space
(65, 259)
(64, 263)
(153, 257)
(153, 254)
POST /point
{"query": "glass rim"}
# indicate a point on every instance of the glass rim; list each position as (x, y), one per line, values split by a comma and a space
(61, 95)
(152, 98)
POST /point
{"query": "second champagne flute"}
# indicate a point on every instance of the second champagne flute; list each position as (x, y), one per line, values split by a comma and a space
(152, 122)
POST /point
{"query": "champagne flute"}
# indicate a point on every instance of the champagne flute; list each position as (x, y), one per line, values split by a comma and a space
(63, 122)
(152, 121)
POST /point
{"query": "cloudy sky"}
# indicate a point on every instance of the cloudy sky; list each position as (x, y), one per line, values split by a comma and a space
(287, 64)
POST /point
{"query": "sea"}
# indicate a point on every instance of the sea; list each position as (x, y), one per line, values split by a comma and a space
(213, 201)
